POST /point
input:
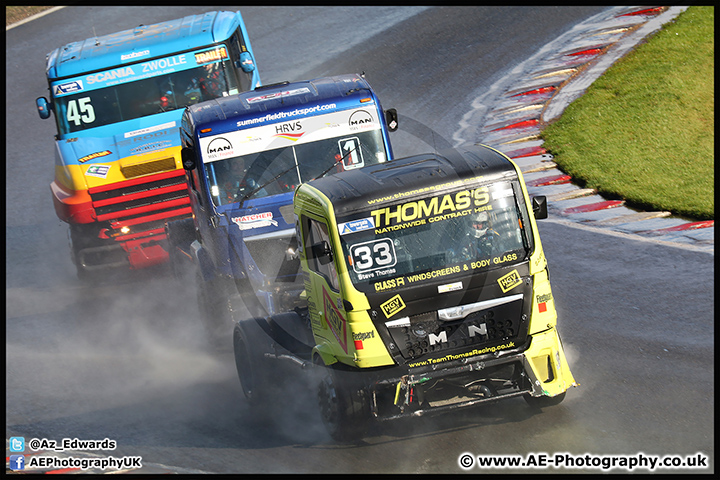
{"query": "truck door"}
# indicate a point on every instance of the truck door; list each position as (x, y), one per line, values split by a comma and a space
(329, 320)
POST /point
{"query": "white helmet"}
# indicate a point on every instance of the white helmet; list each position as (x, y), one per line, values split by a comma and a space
(480, 224)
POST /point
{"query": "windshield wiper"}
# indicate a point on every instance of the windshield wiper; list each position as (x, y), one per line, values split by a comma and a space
(342, 159)
(260, 187)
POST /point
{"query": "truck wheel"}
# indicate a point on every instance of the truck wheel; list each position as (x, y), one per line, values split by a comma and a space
(544, 401)
(180, 234)
(344, 408)
(249, 341)
(216, 309)
(80, 237)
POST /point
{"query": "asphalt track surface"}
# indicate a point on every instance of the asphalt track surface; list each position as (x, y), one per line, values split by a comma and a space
(126, 360)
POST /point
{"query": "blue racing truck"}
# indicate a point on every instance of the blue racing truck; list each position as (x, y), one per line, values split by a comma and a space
(244, 156)
(118, 100)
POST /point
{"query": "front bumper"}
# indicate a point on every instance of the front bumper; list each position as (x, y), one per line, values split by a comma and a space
(540, 369)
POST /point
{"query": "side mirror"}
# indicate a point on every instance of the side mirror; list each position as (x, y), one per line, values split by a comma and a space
(246, 62)
(322, 252)
(188, 158)
(43, 107)
(391, 118)
(539, 206)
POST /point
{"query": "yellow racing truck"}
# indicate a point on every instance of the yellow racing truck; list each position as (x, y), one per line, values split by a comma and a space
(426, 290)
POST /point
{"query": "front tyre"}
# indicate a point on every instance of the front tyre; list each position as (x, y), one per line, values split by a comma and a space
(344, 406)
(249, 341)
(544, 401)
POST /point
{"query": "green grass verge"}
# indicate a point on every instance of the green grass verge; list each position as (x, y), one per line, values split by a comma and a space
(645, 130)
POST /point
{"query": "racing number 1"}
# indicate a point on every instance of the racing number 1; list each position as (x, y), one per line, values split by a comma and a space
(351, 148)
(80, 110)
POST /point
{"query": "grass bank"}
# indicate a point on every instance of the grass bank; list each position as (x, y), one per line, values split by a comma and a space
(645, 130)
(15, 14)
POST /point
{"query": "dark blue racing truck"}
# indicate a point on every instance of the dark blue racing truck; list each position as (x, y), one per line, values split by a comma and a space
(244, 155)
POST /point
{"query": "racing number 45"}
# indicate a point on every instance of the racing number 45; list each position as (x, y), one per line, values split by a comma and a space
(80, 110)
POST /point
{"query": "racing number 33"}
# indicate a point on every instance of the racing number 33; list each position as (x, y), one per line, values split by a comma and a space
(370, 256)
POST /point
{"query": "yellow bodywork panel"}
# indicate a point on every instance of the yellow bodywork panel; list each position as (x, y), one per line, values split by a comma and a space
(546, 358)
(79, 177)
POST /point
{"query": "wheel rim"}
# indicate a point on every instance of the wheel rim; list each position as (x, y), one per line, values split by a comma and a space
(329, 403)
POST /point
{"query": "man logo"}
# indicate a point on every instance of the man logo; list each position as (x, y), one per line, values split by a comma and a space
(360, 118)
(219, 148)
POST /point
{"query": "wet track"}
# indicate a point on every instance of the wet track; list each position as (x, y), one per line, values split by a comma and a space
(126, 360)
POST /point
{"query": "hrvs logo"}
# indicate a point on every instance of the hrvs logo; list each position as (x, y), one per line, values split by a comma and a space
(219, 148)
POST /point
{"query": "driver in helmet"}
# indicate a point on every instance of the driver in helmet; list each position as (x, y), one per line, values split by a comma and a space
(483, 237)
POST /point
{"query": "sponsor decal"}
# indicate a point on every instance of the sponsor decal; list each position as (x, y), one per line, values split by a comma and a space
(149, 147)
(132, 55)
(255, 220)
(509, 281)
(360, 336)
(450, 287)
(393, 306)
(94, 155)
(65, 88)
(289, 131)
(290, 136)
(431, 210)
(219, 147)
(99, 171)
(542, 301)
(356, 226)
(472, 353)
(210, 56)
(163, 65)
(335, 321)
(389, 284)
(360, 118)
(117, 74)
(148, 130)
(270, 96)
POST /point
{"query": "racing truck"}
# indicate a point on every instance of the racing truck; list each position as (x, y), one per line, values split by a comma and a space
(244, 156)
(425, 289)
(118, 100)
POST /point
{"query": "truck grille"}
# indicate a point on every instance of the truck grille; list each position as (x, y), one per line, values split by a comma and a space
(141, 205)
(425, 334)
(156, 166)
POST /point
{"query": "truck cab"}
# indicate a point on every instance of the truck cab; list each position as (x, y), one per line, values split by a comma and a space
(427, 288)
(244, 157)
(118, 100)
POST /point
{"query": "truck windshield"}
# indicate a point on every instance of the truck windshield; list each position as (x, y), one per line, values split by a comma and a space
(142, 89)
(436, 237)
(277, 158)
